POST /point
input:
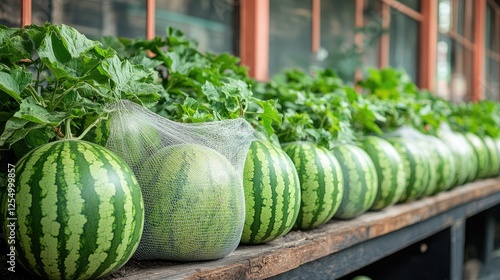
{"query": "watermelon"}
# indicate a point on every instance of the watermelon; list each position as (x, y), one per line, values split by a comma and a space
(465, 160)
(433, 160)
(446, 166)
(390, 171)
(272, 193)
(194, 204)
(494, 160)
(416, 167)
(481, 154)
(321, 183)
(360, 181)
(79, 208)
(497, 144)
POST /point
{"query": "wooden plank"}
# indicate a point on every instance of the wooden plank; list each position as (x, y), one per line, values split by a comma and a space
(254, 37)
(298, 248)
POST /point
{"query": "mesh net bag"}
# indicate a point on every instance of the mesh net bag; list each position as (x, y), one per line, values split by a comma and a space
(191, 181)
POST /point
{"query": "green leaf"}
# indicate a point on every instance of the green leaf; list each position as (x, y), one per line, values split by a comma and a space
(15, 82)
(74, 42)
(31, 111)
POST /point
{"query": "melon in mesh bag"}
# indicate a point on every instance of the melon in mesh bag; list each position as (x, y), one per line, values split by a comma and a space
(191, 180)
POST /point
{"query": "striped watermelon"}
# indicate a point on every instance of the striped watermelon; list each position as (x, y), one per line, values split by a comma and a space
(360, 181)
(494, 160)
(432, 158)
(79, 209)
(321, 182)
(481, 153)
(465, 160)
(390, 171)
(194, 204)
(272, 193)
(416, 167)
(446, 166)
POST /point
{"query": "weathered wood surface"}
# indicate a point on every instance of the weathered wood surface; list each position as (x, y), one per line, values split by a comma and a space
(297, 248)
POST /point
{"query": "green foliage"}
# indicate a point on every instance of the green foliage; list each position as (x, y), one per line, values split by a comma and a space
(51, 74)
(199, 87)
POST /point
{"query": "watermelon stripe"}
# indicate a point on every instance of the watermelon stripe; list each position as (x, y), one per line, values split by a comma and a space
(319, 178)
(260, 205)
(333, 176)
(32, 228)
(288, 211)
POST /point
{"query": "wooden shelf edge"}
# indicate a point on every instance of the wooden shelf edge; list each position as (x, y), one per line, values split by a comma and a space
(297, 248)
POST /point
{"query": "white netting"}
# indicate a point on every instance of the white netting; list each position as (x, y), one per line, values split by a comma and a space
(191, 181)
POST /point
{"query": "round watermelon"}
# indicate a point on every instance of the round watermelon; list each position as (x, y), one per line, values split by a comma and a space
(494, 159)
(445, 166)
(79, 211)
(360, 181)
(321, 183)
(481, 155)
(272, 193)
(194, 204)
(390, 171)
(465, 160)
(416, 165)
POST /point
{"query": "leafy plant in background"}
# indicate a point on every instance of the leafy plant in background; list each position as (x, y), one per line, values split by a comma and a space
(52, 77)
(199, 87)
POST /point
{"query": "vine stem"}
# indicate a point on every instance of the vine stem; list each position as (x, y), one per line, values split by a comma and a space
(92, 125)
(68, 135)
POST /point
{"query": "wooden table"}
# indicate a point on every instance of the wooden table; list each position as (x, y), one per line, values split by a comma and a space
(341, 247)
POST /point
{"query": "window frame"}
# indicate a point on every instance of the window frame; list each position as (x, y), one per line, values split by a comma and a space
(254, 36)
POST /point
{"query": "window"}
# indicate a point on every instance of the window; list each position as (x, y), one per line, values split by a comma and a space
(455, 50)
(213, 23)
(290, 43)
(338, 49)
(492, 59)
(403, 43)
(94, 18)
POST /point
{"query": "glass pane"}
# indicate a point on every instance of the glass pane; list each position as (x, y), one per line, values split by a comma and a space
(372, 31)
(290, 35)
(10, 13)
(414, 4)
(95, 18)
(403, 34)
(492, 34)
(444, 15)
(465, 10)
(338, 50)
(210, 22)
(454, 70)
(492, 89)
